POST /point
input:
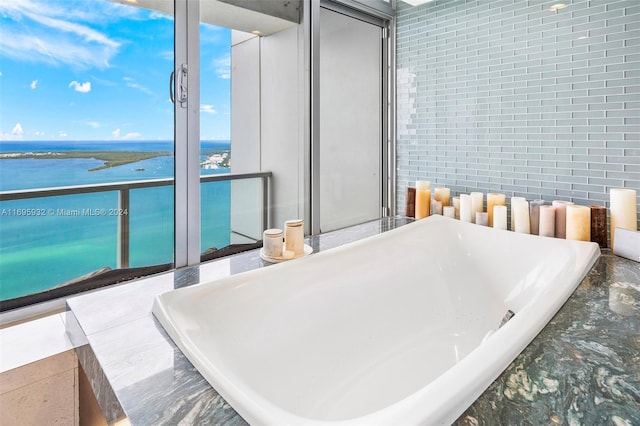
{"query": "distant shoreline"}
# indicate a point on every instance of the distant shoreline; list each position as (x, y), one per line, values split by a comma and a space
(110, 158)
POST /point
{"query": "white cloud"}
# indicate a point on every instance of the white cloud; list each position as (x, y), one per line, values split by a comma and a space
(131, 135)
(131, 83)
(93, 124)
(208, 109)
(223, 66)
(81, 87)
(17, 130)
(34, 84)
(62, 134)
(52, 36)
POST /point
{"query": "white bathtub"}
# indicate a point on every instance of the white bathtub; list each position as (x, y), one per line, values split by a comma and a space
(399, 328)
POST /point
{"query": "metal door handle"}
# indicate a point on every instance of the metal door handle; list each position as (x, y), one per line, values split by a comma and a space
(173, 99)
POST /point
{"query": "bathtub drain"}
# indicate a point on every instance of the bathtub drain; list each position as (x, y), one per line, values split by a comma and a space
(506, 317)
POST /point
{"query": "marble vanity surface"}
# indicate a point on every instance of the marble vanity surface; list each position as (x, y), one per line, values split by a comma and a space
(583, 368)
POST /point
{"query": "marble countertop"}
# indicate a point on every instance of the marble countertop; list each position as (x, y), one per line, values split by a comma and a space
(583, 368)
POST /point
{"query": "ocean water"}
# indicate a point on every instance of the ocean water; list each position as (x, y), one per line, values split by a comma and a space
(40, 252)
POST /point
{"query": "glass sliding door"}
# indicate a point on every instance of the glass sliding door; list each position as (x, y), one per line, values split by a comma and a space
(86, 144)
(350, 120)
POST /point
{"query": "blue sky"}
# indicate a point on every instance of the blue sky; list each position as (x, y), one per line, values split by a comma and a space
(99, 70)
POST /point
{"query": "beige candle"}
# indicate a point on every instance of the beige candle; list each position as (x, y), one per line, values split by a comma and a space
(482, 218)
(465, 208)
(534, 215)
(477, 204)
(513, 217)
(578, 223)
(561, 217)
(423, 199)
(436, 207)
(294, 236)
(449, 211)
(521, 212)
(547, 226)
(456, 206)
(494, 199)
(623, 210)
(272, 242)
(443, 195)
(500, 217)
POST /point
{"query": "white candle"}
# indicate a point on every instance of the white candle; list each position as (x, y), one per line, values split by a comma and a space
(449, 211)
(513, 217)
(423, 199)
(272, 242)
(623, 210)
(494, 199)
(482, 218)
(465, 208)
(561, 217)
(456, 206)
(521, 211)
(534, 215)
(294, 236)
(436, 207)
(443, 195)
(578, 223)
(477, 201)
(500, 217)
(547, 221)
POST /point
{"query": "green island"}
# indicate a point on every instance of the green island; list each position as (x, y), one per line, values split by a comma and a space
(110, 158)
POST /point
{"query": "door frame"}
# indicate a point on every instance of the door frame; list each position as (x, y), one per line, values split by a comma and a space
(186, 133)
(377, 12)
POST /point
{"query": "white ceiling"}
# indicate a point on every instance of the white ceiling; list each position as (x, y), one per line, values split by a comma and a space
(223, 14)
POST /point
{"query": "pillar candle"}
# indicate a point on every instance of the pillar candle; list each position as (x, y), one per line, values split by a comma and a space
(449, 211)
(578, 223)
(547, 226)
(534, 215)
(623, 211)
(477, 201)
(436, 207)
(513, 217)
(561, 217)
(456, 206)
(443, 195)
(272, 242)
(494, 199)
(521, 212)
(599, 225)
(500, 217)
(423, 199)
(482, 218)
(465, 208)
(410, 210)
(294, 236)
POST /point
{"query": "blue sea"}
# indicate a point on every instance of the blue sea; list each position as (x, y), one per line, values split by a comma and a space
(40, 252)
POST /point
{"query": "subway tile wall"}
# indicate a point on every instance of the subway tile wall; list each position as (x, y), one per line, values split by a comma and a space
(520, 97)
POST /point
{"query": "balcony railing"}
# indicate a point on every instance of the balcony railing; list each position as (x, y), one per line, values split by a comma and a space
(124, 189)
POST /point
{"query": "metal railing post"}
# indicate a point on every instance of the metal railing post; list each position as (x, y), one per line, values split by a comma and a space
(123, 228)
(265, 203)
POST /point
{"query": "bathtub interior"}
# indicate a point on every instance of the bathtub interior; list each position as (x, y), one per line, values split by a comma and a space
(349, 331)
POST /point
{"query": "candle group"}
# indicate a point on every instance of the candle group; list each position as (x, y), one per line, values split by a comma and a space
(561, 219)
